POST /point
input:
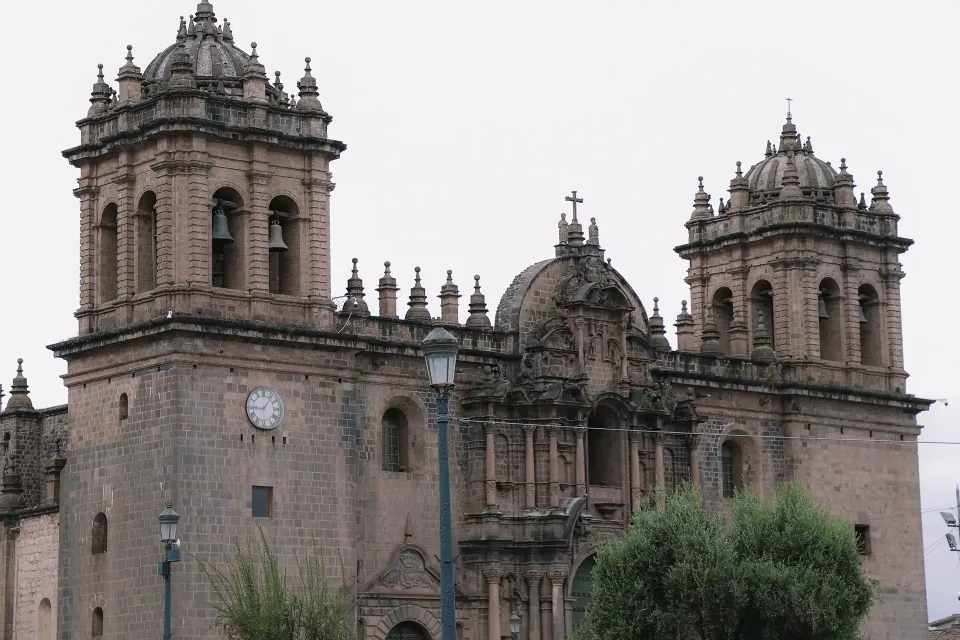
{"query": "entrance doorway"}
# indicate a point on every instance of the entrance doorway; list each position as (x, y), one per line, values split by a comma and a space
(581, 590)
(408, 631)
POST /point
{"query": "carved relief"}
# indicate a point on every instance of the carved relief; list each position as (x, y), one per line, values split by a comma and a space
(409, 572)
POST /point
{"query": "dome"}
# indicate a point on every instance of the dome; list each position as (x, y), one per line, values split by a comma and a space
(209, 46)
(766, 177)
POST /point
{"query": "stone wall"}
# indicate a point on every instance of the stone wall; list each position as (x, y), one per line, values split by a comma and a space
(36, 582)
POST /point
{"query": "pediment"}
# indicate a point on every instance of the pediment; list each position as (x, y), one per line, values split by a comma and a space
(407, 574)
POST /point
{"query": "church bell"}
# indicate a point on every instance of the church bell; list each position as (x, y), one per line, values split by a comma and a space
(863, 316)
(823, 309)
(221, 229)
(276, 237)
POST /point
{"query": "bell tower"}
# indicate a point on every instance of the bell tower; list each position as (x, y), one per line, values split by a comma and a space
(204, 188)
(795, 247)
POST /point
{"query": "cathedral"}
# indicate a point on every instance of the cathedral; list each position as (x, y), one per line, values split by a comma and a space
(217, 368)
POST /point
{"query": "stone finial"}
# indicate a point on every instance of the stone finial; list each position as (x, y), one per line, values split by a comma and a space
(762, 345)
(769, 151)
(449, 300)
(478, 308)
(790, 187)
(418, 301)
(881, 197)
(254, 78)
(739, 191)
(191, 29)
(130, 79)
(710, 336)
(388, 293)
(282, 97)
(788, 137)
(593, 233)
(808, 146)
(182, 31)
(564, 229)
(843, 186)
(658, 332)
(701, 202)
(19, 392)
(862, 205)
(2, 393)
(309, 93)
(686, 339)
(227, 31)
(100, 95)
(722, 208)
(358, 306)
(181, 69)
(253, 65)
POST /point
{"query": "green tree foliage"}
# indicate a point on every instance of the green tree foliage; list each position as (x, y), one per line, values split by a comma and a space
(780, 570)
(257, 602)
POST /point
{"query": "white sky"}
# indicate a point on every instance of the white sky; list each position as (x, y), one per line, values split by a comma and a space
(466, 127)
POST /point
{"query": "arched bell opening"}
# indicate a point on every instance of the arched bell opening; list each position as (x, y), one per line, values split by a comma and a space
(227, 239)
(830, 313)
(604, 447)
(871, 327)
(723, 315)
(146, 242)
(284, 244)
(107, 251)
(761, 301)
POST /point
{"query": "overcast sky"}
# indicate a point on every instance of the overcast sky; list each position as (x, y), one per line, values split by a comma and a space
(468, 123)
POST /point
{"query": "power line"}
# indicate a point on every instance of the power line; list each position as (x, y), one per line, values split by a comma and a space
(518, 423)
(935, 545)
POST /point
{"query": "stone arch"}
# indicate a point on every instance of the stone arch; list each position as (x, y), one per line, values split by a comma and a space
(98, 534)
(605, 444)
(123, 407)
(394, 441)
(107, 257)
(146, 241)
(228, 259)
(286, 275)
(415, 413)
(407, 613)
(578, 587)
(744, 443)
(762, 301)
(871, 323)
(723, 314)
(45, 626)
(96, 625)
(830, 319)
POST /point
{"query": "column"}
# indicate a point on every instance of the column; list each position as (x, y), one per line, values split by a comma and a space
(661, 479)
(531, 488)
(556, 580)
(546, 619)
(636, 482)
(492, 575)
(491, 475)
(581, 462)
(554, 467)
(695, 460)
(533, 578)
(318, 187)
(258, 224)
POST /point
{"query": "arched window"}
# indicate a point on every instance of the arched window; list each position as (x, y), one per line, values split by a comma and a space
(285, 224)
(723, 315)
(581, 590)
(604, 448)
(228, 239)
(107, 250)
(830, 312)
(731, 468)
(97, 627)
(871, 327)
(99, 534)
(408, 631)
(669, 470)
(396, 442)
(761, 299)
(146, 242)
(44, 621)
(124, 406)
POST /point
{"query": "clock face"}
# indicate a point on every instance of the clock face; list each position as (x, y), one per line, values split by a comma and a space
(264, 408)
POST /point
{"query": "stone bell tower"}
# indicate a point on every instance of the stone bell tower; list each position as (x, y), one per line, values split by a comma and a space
(204, 188)
(795, 247)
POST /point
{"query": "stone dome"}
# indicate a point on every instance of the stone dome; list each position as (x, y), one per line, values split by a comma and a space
(210, 47)
(766, 177)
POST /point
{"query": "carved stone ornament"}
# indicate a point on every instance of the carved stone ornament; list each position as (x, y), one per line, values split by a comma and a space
(409, 572)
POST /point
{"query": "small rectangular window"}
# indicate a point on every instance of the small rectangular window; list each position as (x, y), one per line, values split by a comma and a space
(862, 531)
(263, 502)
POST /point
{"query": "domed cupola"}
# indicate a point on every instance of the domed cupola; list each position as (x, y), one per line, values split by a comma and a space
(218, 64)
(765, 178)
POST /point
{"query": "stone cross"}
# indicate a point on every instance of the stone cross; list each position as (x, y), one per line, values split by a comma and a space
(574, 199)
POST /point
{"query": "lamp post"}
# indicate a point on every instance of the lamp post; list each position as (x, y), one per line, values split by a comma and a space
(169, 537)
(440, 351)
(515, 626)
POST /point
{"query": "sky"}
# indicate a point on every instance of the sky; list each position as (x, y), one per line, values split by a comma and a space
(468, 123)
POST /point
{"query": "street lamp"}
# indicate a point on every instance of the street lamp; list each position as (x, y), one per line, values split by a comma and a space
(169, 537)
(440, 352)
(515, 626)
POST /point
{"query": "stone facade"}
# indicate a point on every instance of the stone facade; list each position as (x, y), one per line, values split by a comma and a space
(205, 201)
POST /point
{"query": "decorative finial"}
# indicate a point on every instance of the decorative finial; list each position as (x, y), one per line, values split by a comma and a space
(191, 30)
(19, 367)
(700, 180)
(100, 72)
(879, 177)
(129, 54)
(355, 267)
(386, 269)
(863, 201)
(843, 165)
(739, 171)
(253, 52)
(881, 196)
(762, 344)
(182, 30)
(307, 60)
(356, 304)
(417, 277)
(478, 318)
(683, 306)
(656, 305)
(309, 92)
(658, 332)
(769, 151)
(476, 284)
(450, 276)
(809, 146)
(19, 391)
(227, 30)
(418, 301)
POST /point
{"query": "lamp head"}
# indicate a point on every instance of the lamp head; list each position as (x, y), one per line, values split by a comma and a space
(514, 623)
(440, 349)
(948, 518)
(169, 525)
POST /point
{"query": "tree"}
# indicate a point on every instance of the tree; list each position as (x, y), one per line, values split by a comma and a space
(258, 603)
(785, 570)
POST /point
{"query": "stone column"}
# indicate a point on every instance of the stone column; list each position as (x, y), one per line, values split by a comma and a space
(126, 226)
(546, 618)
(557, 577)
(531, 487)
(533, 578)
(257, 234)
(695, 460)
(581, 462)
(492, 575)
(491, 475)
(636, 482)
(554, 467)
(661, 476)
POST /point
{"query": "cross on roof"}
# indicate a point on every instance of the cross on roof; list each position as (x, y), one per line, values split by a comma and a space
(789, 105)
(574, 199)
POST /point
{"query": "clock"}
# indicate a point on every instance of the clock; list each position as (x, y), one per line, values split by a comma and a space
(264, 408)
